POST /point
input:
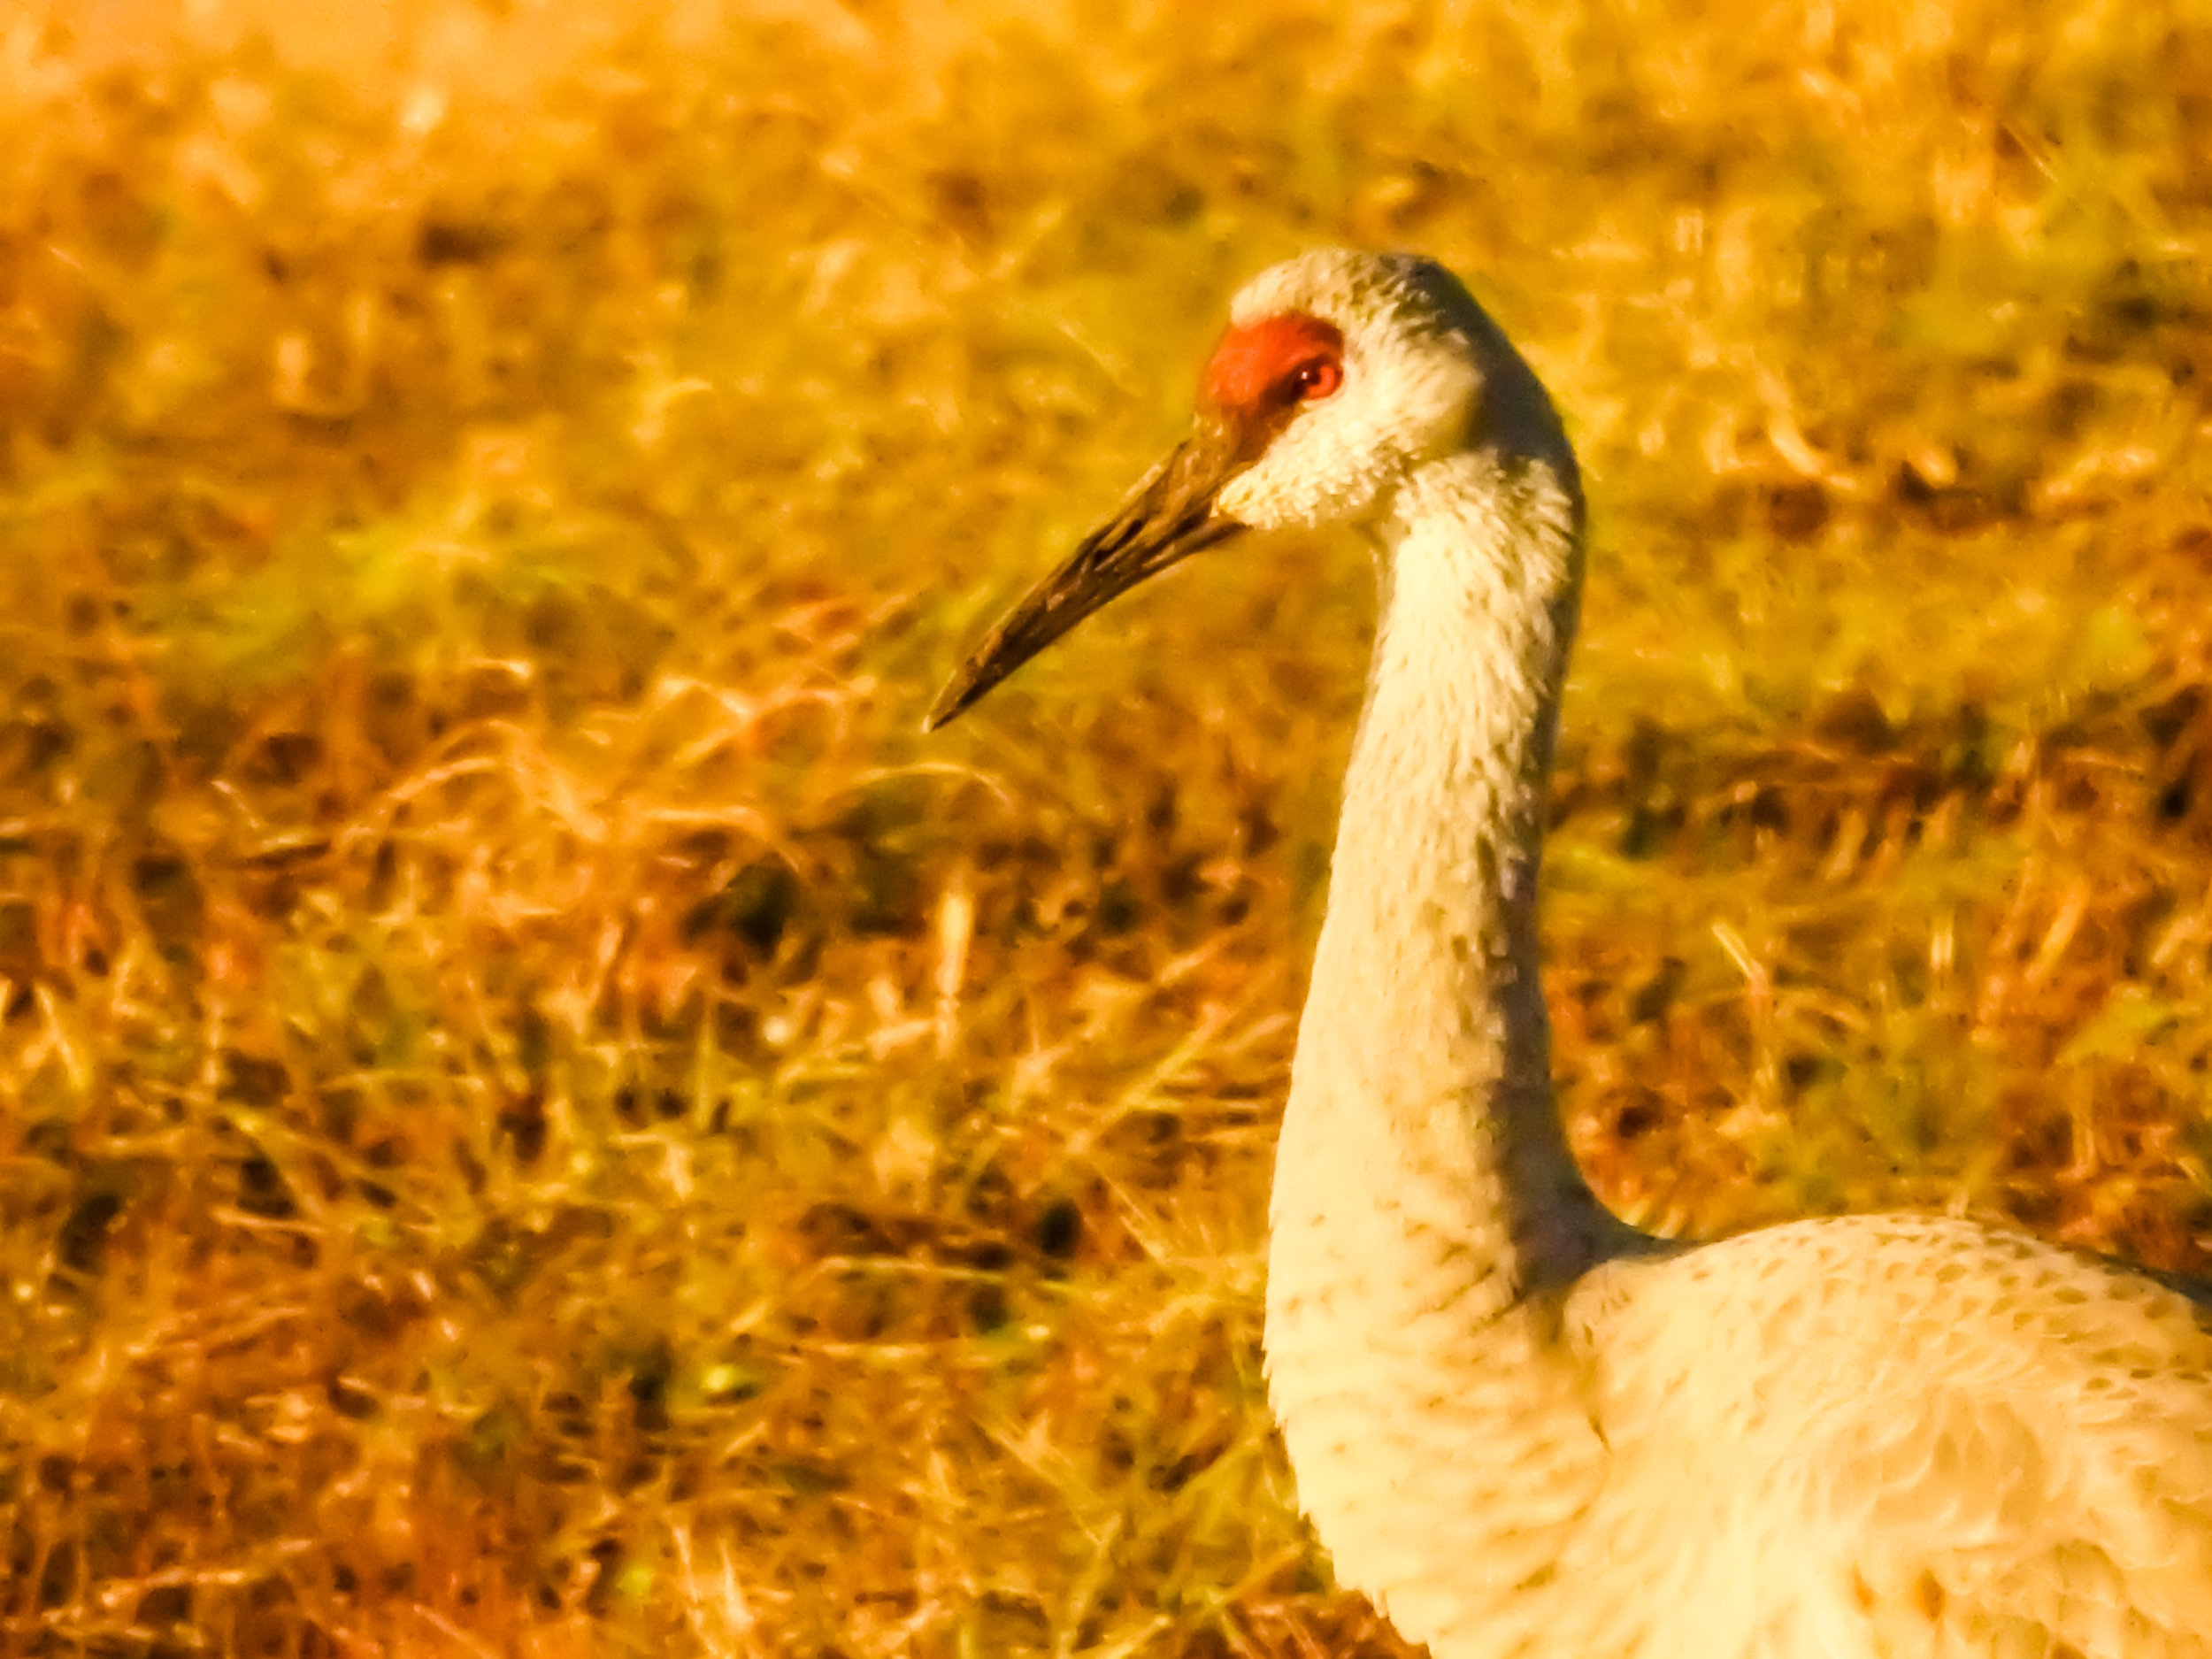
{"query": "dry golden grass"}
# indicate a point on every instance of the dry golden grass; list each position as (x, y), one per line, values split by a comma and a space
(541, 1118)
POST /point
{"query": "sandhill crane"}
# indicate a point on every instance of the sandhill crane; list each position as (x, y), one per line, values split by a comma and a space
(1521, 1425)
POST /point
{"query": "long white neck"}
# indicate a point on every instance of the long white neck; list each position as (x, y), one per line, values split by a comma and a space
(1424, 1050)
(1424, 1199)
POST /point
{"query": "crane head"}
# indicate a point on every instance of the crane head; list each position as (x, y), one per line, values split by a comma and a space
(1339, 374)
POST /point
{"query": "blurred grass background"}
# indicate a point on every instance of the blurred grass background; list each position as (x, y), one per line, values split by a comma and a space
(540, 1116)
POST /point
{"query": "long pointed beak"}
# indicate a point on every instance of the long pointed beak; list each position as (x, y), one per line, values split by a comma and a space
(1168, 517)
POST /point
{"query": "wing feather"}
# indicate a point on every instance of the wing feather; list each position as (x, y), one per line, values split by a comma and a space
(1958, 1439)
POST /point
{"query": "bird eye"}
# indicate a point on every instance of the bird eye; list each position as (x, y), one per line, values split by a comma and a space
(1313, 380)
(1263, 369)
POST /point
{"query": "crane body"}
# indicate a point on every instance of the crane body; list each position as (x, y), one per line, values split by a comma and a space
(1522, 1425)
